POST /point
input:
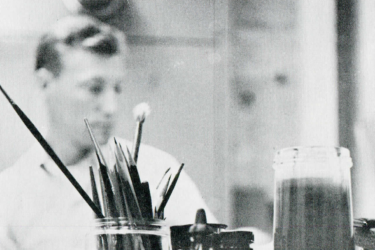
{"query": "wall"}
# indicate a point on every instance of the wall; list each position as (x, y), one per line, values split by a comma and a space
(284, 81)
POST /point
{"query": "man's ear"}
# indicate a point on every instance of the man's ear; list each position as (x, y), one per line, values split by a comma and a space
(44, 77)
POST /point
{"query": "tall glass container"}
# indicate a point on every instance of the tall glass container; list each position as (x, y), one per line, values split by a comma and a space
(119, 234)
(313, 203)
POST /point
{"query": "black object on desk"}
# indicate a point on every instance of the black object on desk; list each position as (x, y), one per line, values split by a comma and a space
(203, 235)
(363, 235)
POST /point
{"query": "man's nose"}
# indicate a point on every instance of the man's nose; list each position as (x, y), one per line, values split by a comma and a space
(109, 102)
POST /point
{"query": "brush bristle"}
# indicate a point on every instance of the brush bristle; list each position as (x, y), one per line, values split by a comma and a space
(141, 111)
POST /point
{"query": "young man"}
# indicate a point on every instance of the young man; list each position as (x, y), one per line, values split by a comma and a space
(81, 67)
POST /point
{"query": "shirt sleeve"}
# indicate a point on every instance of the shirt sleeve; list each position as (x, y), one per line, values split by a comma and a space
(7, 239)
(184, 202)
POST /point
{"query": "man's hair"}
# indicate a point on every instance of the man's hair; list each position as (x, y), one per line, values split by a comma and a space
(78, 31)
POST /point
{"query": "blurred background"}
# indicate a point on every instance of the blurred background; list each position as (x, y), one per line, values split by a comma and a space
(229, 83)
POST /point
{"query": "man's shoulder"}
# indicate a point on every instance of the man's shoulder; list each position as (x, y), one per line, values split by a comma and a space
(22, 168)
(156, 154)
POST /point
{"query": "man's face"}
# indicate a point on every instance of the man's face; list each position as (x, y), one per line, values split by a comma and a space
(88, 86)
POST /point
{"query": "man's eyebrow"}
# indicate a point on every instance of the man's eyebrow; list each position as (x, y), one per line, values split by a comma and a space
(93, 80)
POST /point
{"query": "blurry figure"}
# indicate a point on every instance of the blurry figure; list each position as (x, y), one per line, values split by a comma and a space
(103, 9)
(80, 65)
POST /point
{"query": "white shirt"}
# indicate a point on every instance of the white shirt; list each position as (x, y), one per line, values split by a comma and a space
(40, 209)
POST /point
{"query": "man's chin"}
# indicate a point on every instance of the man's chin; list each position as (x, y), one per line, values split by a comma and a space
(101, 139)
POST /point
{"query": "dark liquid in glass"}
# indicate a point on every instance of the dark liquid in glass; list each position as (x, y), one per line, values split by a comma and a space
(312, 213)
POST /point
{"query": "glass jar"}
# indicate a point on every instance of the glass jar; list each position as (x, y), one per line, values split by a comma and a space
(118, 233)
(313, 202)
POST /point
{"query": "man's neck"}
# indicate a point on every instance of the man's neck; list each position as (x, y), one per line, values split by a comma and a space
(69, 152)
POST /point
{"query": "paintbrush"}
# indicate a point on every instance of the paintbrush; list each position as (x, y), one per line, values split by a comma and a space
(96, 144)
(162, 178)
(161, 189)
(132, 191)
(160, 209)
(38, 136)
(94, 191)
(162, 192)
(116, 185)
(107, 188)
(117, 189)
(142, 189)
(140, 112)
(125, 190)
(123, 195)
(101, 241)
(128, 185)
(145, 200)
(133, 171)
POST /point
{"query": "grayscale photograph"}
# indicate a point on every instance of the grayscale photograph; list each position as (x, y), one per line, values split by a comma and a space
(187, 124)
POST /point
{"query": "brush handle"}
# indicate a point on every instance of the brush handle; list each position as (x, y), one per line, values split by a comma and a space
(129, 187)
(133, 171)
(108, 194)
(38, 136)
(137, 140)
(95, 194)
(145, 200)
(96, 145)
(169, 192)
(162, 178)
